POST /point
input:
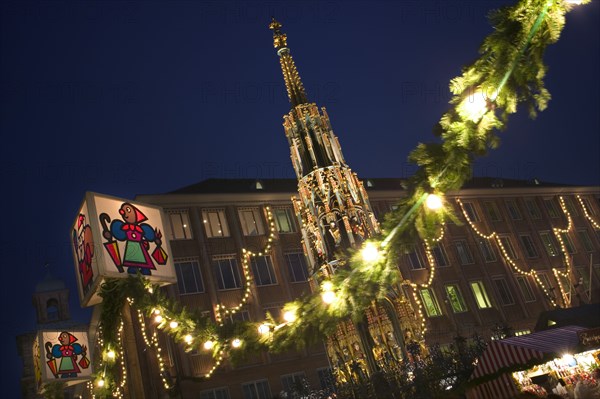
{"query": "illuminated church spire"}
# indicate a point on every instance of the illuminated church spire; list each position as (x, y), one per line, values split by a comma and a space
(332, 205)
(293, 84)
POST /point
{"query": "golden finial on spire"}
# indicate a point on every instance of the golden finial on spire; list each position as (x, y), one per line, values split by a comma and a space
(279, 39)
(293, 84)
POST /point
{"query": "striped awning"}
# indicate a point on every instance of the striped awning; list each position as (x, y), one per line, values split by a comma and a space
(524, 350)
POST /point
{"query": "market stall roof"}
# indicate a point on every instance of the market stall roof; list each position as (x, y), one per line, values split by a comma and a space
(518, 353)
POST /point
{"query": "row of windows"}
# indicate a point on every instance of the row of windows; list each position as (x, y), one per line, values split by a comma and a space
(228, 276)
(531, 209)
(504, 293)
(215, 222)
(260, 389)
(488, 253)
(480, 295)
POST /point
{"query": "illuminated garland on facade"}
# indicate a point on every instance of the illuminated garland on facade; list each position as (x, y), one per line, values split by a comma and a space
(587, 214)
(221, 310)
(466, 132)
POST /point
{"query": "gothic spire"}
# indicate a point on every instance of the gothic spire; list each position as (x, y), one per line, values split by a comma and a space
(293, 84)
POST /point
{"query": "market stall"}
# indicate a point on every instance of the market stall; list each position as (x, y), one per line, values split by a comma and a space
(542, 362)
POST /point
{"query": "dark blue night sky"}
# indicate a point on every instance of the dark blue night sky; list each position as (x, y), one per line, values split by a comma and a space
(127, 98)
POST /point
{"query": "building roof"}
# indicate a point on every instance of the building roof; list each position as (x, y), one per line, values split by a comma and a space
(215, 185)
(50, 283)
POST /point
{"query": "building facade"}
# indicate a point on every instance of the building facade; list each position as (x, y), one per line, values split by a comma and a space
(243, 248)
(479, 285)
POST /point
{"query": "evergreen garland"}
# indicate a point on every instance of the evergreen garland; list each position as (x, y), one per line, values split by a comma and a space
(509, 72)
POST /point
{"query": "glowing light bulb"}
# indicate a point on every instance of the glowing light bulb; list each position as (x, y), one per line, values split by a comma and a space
(327, 286)
(100, 383)
(188, 339)
(289, 316)
(370, 253)
(208, 345)
(158, 318)
(173, 324)
(328, 297)
(156, 311)
(433, 202)
(110, 354)
(236, 343)
(475, 105)
(263, 329)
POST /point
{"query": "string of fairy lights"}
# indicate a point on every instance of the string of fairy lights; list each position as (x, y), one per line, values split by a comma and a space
(472, 110)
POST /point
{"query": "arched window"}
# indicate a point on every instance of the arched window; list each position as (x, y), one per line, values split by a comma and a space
(52, 309)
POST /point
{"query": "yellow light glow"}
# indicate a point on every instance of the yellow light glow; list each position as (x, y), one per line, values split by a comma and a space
(434, 202)
(567, 358)
(327, 286)
(263, 329)
(158, 318)
(208, 345)
(100, 383)
(110, 354)
(289, 316)
(156, 311)
(188, 339)
(173, 324)
(328, 297)
(574, 2)
(474, 106)
(236, 343)
(369, 253)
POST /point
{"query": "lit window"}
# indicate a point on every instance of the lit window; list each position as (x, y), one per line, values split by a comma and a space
(227, 273)
(215, 223)
(481, 297)
(548, 242)
(262, 269)
(513, 210)
(284, 220)
(180, 224)
(414, 258)
(297, 267)
(251, 220)
(492, 211)
(532, 209)
(487, 251)
(462, 250)
(257, 390)
(525, 288)
(508, 247)
(439, 254)
(293, 382)
(528, 246)
(583, 277)
(586, 241)
(470, 211)
(429, 302)
(216, 393)
(189, 278)
(551, 207)
(568, 243)
(504, 294)
(455, 298)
